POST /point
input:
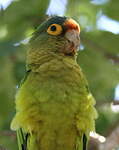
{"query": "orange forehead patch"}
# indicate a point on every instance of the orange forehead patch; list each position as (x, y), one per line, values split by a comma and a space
(72, 24)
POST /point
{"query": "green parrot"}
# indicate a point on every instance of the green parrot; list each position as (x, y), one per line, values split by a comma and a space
(54, 107)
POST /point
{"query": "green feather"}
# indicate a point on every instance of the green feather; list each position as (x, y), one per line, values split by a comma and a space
(84, 142)
(21, 135)
(22, 139)
(24, 79)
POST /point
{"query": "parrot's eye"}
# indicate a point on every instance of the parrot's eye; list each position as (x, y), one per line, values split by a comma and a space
(54, 29)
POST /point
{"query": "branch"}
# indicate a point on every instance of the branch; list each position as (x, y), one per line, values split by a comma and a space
(112, 141)
(112, 57)
(8, 133)
(93, 144)
(100, 103)
(2, 148)
(97, 47)
(116, 102)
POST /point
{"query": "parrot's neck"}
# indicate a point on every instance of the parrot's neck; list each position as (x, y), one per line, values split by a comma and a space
(39, 60)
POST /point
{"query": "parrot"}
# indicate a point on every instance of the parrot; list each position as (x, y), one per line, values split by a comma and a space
(55, 109)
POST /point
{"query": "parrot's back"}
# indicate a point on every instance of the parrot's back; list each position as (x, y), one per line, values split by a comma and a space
(54, 107)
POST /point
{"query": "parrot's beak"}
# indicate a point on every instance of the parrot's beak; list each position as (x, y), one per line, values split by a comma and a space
(73, 41)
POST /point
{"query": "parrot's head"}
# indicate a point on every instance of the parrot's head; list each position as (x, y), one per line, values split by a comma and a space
(58, 35)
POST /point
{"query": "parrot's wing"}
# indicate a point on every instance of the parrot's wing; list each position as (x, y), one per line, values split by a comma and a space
(84, 142)
(24, 78)
(22, 138)
(86, 117)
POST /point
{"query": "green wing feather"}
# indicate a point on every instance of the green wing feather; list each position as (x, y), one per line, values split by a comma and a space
(22, 137)
(84, 142)
(24, 78)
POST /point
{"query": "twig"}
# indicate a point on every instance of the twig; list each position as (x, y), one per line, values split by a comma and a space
(2, 148)
(8, 133)
(112, 141)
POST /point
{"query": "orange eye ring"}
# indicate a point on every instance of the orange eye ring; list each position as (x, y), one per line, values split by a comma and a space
(54, 29)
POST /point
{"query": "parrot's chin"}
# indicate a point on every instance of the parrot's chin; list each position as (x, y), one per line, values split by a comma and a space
(70, 49)
(72, 42)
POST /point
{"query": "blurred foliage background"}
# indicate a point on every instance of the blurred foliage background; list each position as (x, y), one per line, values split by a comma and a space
(98, 57)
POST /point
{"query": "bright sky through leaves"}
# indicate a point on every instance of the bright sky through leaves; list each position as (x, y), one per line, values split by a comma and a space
(5, 3)
(99, 2)
(117, 93)
(57, 7)
(107, 24)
